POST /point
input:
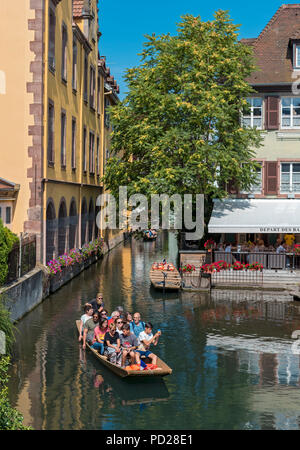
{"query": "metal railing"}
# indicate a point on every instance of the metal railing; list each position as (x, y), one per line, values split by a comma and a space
(238, 277)
(269, 260)
(21, 259)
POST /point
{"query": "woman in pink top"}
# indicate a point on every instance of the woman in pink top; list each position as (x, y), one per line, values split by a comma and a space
(99, 333)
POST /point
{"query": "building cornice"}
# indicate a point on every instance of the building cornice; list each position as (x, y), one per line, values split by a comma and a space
(272, 87)
(81, 38)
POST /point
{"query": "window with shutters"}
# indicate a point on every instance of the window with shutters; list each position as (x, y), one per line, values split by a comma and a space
(74, 64)
(8, 215)
(84, 150)
(50, 149)
(63, 139)
(97, 156)
(289, 177)
(85, 78)
(252, 115)
(73, 154)
(92, 152)
(64, 53)
(272, 113)
(290, 112)
(271, 178)
(51, 46)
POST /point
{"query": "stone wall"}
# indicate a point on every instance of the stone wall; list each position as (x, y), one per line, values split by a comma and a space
(25, 294)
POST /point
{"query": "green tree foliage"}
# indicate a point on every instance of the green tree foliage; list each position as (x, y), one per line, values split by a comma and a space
(7, 240)
(6, 326)
(10, 418)
(179, 129)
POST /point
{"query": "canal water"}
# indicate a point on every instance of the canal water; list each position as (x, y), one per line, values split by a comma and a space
(231, 355)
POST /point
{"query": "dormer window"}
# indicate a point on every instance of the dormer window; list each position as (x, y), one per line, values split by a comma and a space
(296, 55)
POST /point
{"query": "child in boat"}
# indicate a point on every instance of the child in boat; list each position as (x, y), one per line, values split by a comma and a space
(129, 343)
(89, 329)
(88, 312)
(119, 324)
(99, 335)
(146, 338)
(113, 344)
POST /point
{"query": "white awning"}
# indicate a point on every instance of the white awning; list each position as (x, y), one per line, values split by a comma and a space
(255, 216)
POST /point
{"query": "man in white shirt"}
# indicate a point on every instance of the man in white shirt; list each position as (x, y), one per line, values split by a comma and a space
(146, 338)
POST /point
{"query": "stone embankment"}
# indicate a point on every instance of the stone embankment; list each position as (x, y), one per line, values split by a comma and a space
(27, 292)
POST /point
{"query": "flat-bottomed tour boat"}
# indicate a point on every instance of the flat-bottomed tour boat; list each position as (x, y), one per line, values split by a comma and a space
(162, 370)
(165, 276)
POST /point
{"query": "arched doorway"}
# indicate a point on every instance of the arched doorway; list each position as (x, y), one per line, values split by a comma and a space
(62, 228)
(91, 221)
(84, 219)
(73, 223)
(50, 231)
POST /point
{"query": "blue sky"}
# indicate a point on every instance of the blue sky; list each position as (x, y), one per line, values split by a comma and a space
(124, 23)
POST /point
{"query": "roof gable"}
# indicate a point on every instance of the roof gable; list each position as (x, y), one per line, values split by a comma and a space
(5, 184)
(272, 49)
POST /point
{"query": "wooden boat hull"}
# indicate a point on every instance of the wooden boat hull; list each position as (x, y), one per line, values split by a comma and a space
(162, 370)
(171, 282)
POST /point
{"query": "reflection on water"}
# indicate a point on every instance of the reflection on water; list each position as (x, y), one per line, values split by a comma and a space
(230, 352)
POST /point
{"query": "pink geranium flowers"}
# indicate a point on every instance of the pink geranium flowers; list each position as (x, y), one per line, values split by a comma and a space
(74, 256)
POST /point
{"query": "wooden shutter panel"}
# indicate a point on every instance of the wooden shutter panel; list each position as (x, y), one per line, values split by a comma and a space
(272, 113)
(271, 178)
(232, 187)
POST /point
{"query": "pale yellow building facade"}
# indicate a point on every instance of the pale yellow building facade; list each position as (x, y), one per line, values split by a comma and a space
(54, 136)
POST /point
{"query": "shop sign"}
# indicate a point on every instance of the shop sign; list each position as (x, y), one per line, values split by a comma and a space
(279, 230)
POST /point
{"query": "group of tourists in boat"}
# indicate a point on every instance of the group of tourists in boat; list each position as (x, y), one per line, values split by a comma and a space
(150, 234)
(164, 265)
(122, 337)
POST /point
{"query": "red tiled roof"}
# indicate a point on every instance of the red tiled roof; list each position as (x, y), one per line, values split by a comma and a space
(78, 8)
(108, 77)
(272, 49)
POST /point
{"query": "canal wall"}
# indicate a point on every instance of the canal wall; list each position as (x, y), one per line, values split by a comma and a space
(20, 297)
(25, 294)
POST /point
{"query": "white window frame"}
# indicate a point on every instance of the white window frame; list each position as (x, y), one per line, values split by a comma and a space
(256, 191)
(296, 127)
(251, 116)
(252, 190)
(291, 178)
(296, 63)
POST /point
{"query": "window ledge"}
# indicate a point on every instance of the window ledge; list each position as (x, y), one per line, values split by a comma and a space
(51, 69)
(63, 167)
(64, 81)
(51, 164)
(74, 91)
(288, 135)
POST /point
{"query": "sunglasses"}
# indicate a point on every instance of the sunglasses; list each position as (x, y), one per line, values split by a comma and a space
(119, 321)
